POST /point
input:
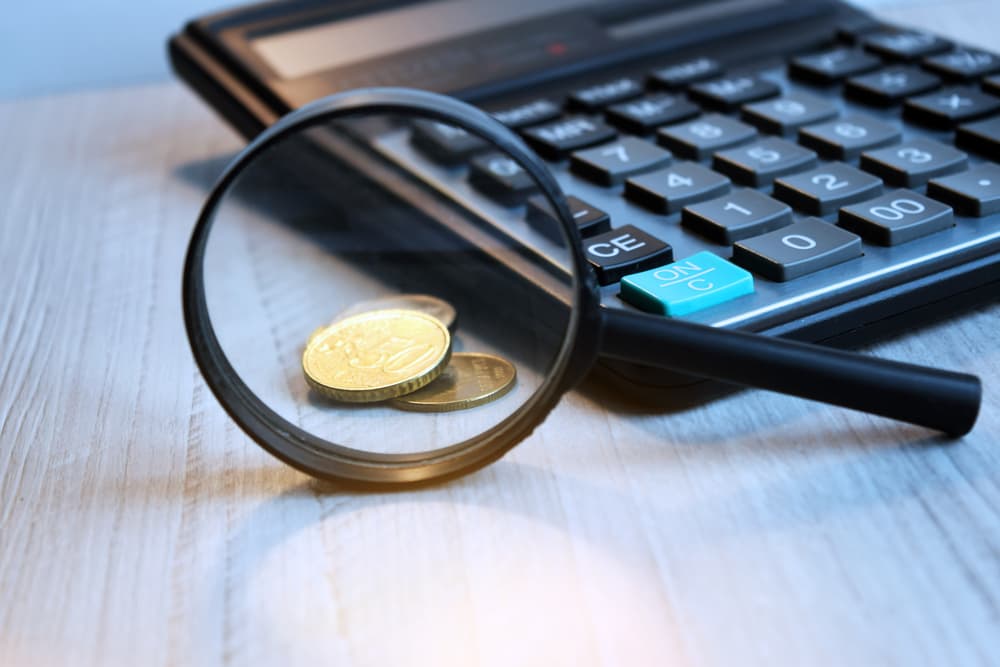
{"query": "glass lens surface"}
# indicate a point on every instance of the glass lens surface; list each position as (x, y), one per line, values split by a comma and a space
(380, 297)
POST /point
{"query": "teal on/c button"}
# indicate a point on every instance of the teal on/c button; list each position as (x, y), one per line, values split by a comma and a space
(700, 281)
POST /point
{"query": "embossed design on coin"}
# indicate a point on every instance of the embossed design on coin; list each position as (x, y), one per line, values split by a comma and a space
(377, 355)
(470, 379)
(423, 303)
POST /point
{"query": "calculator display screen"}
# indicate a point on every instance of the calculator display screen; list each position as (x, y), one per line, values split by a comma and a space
(309, 50)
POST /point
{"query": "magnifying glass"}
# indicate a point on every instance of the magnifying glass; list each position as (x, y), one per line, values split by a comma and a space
(370, 317)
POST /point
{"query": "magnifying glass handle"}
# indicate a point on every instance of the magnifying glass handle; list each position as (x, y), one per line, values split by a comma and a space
(930, 397)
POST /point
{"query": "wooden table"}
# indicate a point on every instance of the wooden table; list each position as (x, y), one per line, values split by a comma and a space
(139, 526)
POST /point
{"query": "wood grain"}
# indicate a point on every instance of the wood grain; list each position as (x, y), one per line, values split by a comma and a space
(139, 526)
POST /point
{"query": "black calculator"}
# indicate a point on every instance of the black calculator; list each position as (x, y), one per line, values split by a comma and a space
(798, 168)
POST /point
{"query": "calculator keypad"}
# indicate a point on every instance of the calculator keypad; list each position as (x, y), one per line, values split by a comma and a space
(849, 163)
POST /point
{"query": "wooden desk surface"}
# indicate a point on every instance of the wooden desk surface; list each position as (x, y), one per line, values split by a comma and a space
(138, 526)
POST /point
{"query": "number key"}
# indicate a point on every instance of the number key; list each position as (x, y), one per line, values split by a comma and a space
(804, 247)
(671, 189)
(699, 138)
(786, 114)
(913, 163)
(846, 138)
(762, 161)
(738, 215)
(827, 188)
(906, 44)
(963, 64)
(896, 217)
(610, 164)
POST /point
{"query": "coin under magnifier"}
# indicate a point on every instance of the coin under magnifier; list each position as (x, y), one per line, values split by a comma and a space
(422, 303)
(377, 355)
(437, 308)
(470, 379)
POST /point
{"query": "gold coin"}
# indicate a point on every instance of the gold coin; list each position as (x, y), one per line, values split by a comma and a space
(423, 303)
(437, 308)
(470, 379)
(377, 355)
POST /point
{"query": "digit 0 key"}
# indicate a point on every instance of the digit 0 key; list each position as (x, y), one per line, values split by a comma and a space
(799, 249)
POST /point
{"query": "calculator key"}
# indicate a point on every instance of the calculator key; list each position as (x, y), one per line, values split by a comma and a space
(786, 114)
(826, 188)
(832, 66)
(596, 97)
(501, 178)
(948, 107)
(853, 30)
(645, 114)
(529, 113)
(557, 139)
(846, 138)
(759, 163)
(589, 219)
(610, 164)
(974, 192)
(896, 217)
(912, 163)
(623, 250)
(905, 45)
(801, 248)
(983, 137)
(697, 282)
(991, 85)
(890, 86)
(671, 189)
(445, 143)
(728, 93)
(740, 214)
(699, 138)
(682, 74)
(963, 64)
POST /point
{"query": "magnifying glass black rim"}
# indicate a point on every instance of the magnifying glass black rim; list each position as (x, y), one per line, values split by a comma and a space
(321, 458)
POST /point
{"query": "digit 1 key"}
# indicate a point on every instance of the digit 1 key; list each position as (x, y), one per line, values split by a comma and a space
(610, 164)
(738, 215)
(623, 250)
(826, 188)
(799, 249)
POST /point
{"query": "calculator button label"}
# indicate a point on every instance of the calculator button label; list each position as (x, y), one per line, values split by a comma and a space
(624, 250)
(698, 282)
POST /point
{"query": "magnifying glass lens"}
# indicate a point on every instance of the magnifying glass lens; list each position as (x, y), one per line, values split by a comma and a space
(377, 305)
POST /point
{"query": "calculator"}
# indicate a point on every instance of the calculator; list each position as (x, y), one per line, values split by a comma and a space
(798, 169)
